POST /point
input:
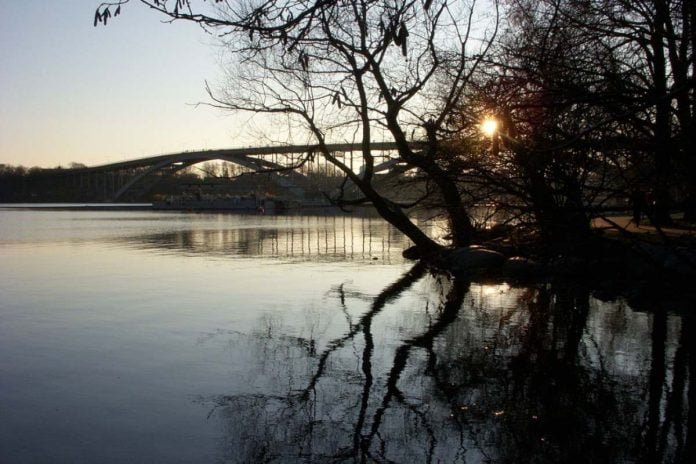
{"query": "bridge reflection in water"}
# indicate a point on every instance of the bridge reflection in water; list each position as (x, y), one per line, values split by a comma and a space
(295, 237)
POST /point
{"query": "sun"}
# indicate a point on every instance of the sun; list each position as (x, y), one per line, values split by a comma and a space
(489, 126)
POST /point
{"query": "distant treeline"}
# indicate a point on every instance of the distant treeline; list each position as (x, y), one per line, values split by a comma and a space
(13, 182)
(59, 184)
(35, 184)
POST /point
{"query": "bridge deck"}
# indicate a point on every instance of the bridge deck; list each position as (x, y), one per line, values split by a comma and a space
(205, 155)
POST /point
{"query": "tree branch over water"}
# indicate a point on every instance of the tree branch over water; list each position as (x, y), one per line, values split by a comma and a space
(365, 70)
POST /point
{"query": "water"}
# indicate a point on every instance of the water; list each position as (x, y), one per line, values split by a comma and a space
(176, 338)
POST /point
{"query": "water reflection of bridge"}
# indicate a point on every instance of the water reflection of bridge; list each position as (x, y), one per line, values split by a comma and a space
(128, 179)
(325, 237)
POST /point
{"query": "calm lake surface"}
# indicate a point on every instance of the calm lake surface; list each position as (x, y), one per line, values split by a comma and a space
(147, 337)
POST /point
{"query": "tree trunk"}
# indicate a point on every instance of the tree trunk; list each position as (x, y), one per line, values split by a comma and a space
(396, 217)
(461, 227)
(457, 215)
(690, 201)
(689, 110)
(563, 227)
(662, 149)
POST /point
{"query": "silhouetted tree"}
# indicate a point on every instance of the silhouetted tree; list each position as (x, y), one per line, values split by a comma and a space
(360, 69)
(560, 154)
(639, 57)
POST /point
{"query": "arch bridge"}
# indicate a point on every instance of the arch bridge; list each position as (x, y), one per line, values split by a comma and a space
(126, 179)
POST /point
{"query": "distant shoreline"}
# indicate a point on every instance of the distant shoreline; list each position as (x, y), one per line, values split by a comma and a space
(323, 210)
(78, 206)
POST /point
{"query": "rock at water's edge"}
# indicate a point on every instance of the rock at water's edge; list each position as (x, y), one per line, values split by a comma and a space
(412, 253)
(519, 267)
(474, 258)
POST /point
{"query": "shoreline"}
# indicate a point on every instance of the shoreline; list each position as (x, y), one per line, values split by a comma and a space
(77, 206)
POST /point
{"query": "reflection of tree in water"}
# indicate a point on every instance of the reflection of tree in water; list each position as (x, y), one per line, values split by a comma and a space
(528, 379)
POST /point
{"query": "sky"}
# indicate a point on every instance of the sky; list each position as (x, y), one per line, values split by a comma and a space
(71, 92)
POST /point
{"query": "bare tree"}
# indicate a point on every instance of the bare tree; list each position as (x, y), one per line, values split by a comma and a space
(357, 70)
(593, 102)
(543, 163)
(650, 77)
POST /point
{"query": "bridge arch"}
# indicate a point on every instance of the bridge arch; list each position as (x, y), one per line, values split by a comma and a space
(114, 180)
(182, 161)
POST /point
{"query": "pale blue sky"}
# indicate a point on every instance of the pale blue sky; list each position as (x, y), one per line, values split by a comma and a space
(73, 92)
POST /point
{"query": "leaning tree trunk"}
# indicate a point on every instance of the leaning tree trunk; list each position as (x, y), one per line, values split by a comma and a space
(461, 227)
(395, 216)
